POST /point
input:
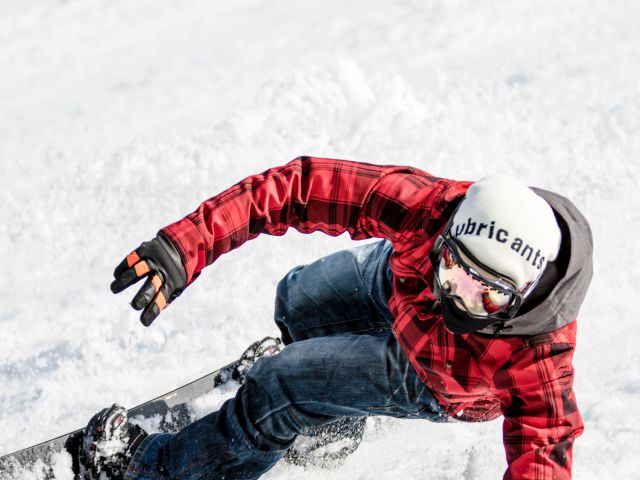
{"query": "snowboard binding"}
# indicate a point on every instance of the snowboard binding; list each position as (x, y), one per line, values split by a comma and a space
(267, 346)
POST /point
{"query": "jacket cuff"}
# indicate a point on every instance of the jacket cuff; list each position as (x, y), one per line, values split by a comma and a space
(189, 242)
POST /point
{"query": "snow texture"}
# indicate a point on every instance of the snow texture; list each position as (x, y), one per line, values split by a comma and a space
(117, 118)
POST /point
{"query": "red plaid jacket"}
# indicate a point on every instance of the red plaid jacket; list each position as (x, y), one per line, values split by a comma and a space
(475, 377)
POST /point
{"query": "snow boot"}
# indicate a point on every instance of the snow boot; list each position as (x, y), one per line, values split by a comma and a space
(107, 445)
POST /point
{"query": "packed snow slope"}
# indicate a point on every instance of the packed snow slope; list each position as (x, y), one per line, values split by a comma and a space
(117, 118)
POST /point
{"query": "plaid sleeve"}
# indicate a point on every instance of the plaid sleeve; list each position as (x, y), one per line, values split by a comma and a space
(309, 194)
(541, 417)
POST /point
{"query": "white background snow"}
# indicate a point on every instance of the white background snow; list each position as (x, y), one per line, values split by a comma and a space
(117, 118)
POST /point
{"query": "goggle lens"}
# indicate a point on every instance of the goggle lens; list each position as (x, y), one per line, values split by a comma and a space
(469, 291)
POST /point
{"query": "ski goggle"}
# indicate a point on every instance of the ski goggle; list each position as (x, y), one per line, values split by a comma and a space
(479, 296)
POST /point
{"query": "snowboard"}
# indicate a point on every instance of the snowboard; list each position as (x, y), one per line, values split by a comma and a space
(172, 407)
(324, 446)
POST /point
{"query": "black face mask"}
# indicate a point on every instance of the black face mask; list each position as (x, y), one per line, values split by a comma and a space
(459, 322)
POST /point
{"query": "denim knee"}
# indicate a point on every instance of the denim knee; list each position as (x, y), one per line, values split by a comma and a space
(283, 307)
(268, 411)
(332, 296)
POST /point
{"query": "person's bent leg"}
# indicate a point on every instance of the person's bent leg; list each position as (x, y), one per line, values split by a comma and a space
(345, 292)
(310, 383)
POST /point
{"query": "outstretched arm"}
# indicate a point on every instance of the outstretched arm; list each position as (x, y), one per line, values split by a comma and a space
(308, 194)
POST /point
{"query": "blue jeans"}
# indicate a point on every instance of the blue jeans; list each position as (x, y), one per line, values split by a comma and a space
(341, 359)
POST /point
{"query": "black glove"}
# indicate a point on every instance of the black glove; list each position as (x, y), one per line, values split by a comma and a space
(160, 261)
(108, 444)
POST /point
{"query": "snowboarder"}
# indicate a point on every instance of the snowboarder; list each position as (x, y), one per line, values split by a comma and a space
(465, 310)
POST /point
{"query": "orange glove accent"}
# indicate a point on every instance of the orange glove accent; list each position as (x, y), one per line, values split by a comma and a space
(160, 262)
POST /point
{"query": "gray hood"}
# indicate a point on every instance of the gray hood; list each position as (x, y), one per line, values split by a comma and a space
(562, 304)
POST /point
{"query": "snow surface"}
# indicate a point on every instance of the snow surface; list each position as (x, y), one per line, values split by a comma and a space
(117, 118)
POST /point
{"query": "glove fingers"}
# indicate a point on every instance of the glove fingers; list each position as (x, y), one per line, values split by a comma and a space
(149, 290)
(130, 270)
(126, 279)
(152, 310)
(128, 262)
